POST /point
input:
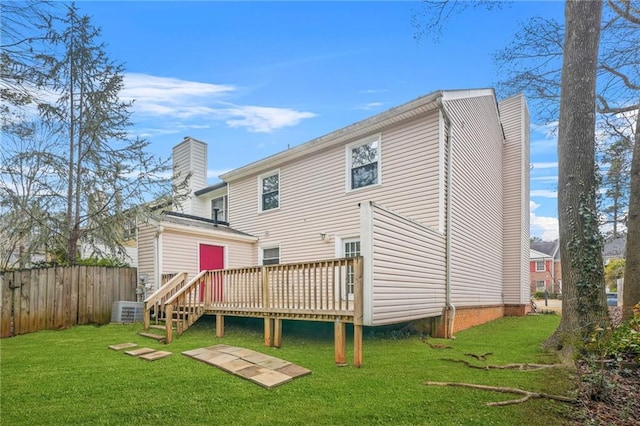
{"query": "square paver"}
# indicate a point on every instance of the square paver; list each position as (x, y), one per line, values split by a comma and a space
(243, 353)
(294, 370)
(252, 371)
(194, 352)
(220, 359)
(235, 365)
(140, 351)
(271, 379)
(256, 357)
(122, 346)
(156, 355)
(205, 355)
(273, 363)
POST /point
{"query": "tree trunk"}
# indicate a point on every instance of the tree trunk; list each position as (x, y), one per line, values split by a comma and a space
(631, 288)
(584, 301)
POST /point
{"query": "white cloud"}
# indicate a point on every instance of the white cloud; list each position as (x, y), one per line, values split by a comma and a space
(550, 165)
(544, 146)
(544, 227)
(370, 106)
(264, 119)
(373, 91)
(545, 178)
(182, 100)
(214, 173)
(543, 193)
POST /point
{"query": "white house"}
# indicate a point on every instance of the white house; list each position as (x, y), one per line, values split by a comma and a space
(432, 194)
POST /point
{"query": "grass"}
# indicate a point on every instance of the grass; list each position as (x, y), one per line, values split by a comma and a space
(70, 377)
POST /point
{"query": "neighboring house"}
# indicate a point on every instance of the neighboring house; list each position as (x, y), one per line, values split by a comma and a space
(615, 248)
(433, 194)
(545, 267)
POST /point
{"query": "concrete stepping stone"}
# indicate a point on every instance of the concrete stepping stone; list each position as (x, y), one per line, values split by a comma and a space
(152, 356)
(122, 346)
(140, 351)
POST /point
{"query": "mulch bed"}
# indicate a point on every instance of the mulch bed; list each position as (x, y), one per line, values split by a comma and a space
(614, 398)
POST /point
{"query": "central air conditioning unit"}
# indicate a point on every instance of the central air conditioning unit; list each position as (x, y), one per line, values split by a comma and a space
(124, 312)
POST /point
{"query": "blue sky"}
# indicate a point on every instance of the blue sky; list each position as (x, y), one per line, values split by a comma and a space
(252, 78)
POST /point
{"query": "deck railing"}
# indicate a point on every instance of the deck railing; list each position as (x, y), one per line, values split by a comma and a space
(320, 290)
(155, 302)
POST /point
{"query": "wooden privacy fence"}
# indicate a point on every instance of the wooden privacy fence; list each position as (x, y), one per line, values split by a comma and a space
(61, 297)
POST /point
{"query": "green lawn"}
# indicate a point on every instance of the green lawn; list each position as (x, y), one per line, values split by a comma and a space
(70, 377)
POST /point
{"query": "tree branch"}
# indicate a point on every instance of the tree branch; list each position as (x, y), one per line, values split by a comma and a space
(527, 394)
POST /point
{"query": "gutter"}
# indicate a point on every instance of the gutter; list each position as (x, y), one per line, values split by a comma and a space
(448, 304)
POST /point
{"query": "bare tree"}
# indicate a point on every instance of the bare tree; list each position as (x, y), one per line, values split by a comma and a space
(96, 175)
(584, 303)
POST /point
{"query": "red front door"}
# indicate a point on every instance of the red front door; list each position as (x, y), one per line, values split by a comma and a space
(212, 258)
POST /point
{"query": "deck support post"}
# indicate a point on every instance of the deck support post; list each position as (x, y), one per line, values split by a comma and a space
(219, 325)
(357, 345)
(340, 335)
(358, 311)
(268, 331)
(168, 322)
(277, 332)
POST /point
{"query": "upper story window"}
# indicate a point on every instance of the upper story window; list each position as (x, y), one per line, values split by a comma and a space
(219, 203)
(269, 191)
(129, 229)
(363, 160)
(540, 266)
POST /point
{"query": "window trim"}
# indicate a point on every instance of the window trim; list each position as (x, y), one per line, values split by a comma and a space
(261, 177)
(544, 266)
(363, 141)
(268, 247)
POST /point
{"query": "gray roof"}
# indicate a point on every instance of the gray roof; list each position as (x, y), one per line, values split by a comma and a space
(210, 188)
(551, 248)
(615, 247)
(199, 222)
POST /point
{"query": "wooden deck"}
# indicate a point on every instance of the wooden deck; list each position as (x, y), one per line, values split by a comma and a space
(326, 290)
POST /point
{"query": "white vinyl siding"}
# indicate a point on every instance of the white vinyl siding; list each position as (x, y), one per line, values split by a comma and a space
(190, 157)
(477, 205)
(313, 198)
(515, 123)
(146, 253)
(408, 261)
(181, 251)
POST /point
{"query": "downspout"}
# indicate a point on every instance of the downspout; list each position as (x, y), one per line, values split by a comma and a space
(450, 307)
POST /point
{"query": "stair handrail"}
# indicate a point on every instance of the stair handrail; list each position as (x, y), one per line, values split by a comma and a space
(155, 299)
(171, 305)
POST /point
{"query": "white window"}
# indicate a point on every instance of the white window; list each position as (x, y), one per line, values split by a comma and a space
(363, 159)
(270, 255)
(219, 203)
(540, 286)
(351, 248)
(269, 186)
(128, 229)
(540, 266)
